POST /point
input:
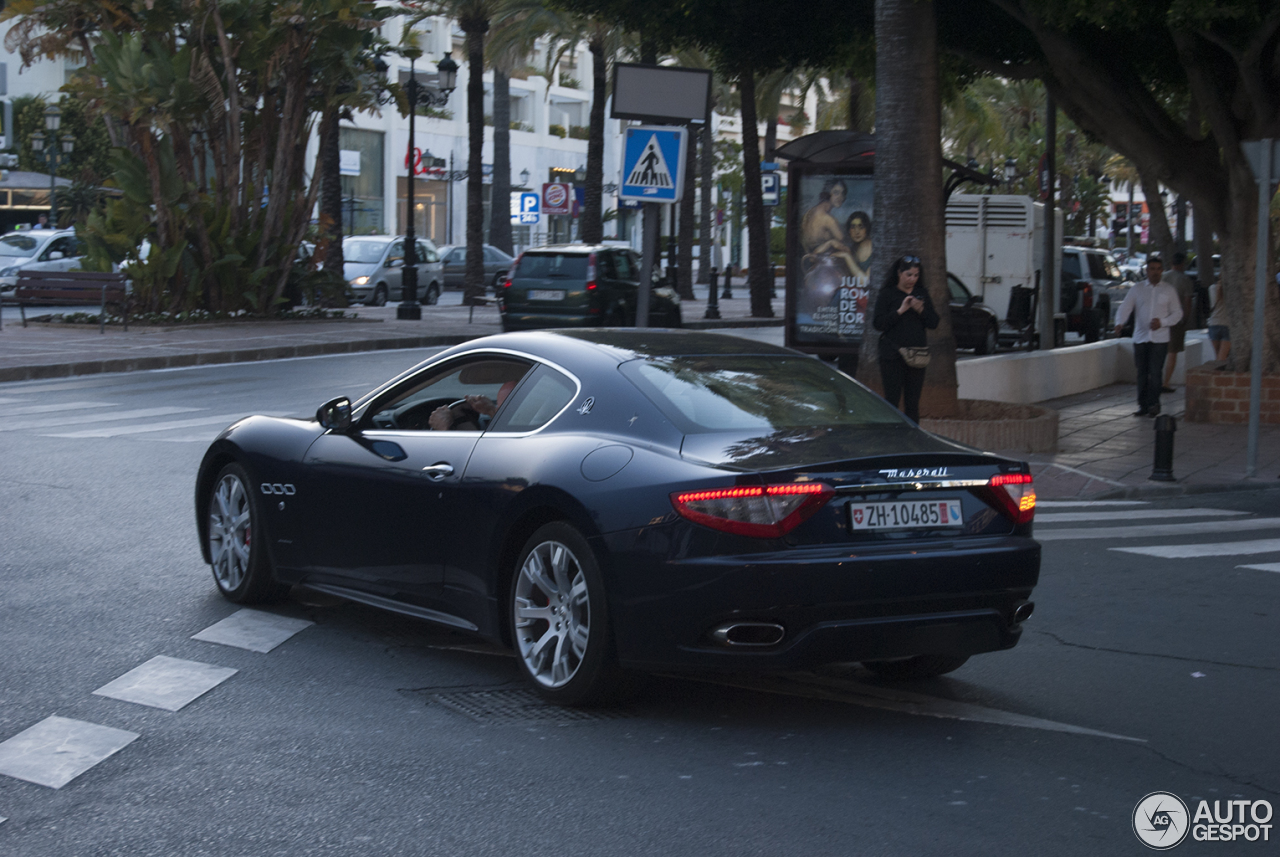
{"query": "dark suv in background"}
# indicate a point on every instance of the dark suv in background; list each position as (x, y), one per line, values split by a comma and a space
(579, 285)
(1091, 287)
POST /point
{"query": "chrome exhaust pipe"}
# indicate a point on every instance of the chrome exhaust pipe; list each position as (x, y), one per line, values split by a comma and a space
(749, 634)
(1023, 611)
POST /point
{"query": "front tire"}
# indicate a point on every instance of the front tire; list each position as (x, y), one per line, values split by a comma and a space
(559, 621)
(237, 541)
(990, 342)
(379, 296)
(920, 666)
(433, 295)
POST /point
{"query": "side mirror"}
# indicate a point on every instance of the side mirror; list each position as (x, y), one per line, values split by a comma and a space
(335, 415)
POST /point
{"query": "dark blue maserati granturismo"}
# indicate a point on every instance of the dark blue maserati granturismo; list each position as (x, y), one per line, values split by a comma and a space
(609, 500)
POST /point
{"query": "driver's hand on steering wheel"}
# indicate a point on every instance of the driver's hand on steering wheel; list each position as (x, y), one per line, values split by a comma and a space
(441, 418)
(482, 405)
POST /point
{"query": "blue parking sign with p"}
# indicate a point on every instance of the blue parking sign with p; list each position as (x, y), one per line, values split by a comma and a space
(525, 208)
(653, 163)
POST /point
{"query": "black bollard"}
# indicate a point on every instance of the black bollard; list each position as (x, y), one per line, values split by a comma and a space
(1162, 470)
(728, 283)
(713, 307)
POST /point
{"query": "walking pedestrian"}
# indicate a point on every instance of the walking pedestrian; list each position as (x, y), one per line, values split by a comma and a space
(903, 315)
(1181, 284)
(1155, 309)
(1219, 333)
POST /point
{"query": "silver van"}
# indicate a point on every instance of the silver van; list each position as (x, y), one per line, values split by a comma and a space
(374, 264)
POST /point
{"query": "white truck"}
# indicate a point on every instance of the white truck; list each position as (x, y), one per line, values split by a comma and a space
(995, 245)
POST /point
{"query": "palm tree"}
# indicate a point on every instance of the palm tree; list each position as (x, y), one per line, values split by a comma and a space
(760, 276)
(908, 190)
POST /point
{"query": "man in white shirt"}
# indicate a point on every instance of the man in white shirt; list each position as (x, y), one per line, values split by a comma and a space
(1155, 308)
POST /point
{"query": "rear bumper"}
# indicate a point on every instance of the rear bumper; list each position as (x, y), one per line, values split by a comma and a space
(834, 606)
(525, 320)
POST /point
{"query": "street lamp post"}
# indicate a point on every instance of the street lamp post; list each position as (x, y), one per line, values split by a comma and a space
(53, 155)
(446, 80)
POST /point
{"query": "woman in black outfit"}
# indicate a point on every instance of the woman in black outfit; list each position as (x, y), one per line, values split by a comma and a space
(903, 314)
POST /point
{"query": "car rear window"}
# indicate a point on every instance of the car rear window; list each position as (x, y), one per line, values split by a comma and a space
(727, 393)
(571, 266)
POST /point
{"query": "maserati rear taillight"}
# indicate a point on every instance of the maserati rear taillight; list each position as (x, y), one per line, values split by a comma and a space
(1016, 495)
(762, 511)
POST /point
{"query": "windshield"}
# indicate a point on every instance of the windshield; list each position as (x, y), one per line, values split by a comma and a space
(18, 245)
(755, 392)
(544, 265)
(363, 252)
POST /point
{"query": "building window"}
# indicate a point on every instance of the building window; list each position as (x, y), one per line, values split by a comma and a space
(363, 195)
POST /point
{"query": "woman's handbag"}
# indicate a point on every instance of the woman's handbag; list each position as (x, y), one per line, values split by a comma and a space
(915, 357)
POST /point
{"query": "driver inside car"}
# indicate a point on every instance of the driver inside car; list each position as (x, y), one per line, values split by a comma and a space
(459, 416)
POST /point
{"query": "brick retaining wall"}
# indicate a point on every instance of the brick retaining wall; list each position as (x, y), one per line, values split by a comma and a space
(1215, 396)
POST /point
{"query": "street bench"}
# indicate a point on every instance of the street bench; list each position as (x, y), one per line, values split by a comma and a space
(71, 288)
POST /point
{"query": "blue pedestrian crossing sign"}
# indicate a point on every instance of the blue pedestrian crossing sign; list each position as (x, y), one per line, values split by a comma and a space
(653, 163)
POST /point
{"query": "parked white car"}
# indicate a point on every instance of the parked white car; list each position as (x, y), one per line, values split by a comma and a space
(39, 249)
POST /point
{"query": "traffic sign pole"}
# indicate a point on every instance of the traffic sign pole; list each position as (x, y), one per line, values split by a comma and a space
(649, 254)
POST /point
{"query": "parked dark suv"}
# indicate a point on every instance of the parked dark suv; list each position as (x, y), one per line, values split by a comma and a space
(578, 285)
(1091, 287)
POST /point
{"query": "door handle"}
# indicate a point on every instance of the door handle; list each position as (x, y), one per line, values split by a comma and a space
(438, 471)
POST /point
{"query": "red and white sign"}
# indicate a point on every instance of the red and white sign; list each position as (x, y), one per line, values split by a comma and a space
(419, 168)
(557, 198)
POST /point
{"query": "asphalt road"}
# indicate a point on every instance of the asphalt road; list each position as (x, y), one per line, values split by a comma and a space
(368, 733)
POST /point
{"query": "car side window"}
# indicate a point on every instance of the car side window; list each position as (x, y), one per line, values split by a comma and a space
(457, 256)
(1097, 266)
(396, 255)
(625, 269)
(537, 402)
(607, 269)
(57, 245)
(958, 291)
(1071, 265)
(426, 253)
(409, 406)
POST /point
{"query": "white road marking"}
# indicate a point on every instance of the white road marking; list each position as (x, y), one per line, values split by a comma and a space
(1265, 566)
(1058, 504)
(1071, 517)
(167, 683)
(1214, 549)
(1144, 531)
(254, 630)
(59, 422)
(117, 431)
(51, 409)
(892, 699)
(57, 750)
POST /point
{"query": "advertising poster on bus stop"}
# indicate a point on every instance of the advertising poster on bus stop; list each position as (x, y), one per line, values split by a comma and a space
(828, 259)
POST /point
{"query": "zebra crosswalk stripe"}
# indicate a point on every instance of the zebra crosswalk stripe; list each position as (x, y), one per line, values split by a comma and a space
(1073, 517)
(1265, 566)
(96, 417)
(1147, 531)
(116, 431)
(1213, 549)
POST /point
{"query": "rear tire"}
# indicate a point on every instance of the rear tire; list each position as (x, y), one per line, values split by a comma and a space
(238, 542)
(920, 666)
(559, 621)
(1092, 325)
(990, 342)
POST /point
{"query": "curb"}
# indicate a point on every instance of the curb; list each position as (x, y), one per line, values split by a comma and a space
(1145, 492)
(210, 358)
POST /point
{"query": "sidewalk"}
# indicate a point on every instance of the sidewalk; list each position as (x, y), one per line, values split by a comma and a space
(1104, 452)
(55, 351)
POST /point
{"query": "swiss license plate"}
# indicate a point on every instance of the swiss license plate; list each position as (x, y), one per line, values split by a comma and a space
(905, 514)
(546, 294)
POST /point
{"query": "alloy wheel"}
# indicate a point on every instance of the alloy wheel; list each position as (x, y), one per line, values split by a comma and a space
(230, 532)
(552, 614)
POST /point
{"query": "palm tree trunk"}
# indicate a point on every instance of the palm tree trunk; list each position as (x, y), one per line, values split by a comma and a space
(331, 192)
(760, 272)
(857, 92)
(1158, 232)
(499, 207)
(707, 160)
(771, 133)
(591, 225)
(908, 188)
(684, 257)
(473, 274)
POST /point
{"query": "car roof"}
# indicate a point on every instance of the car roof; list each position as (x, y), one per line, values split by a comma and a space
(571, 248)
